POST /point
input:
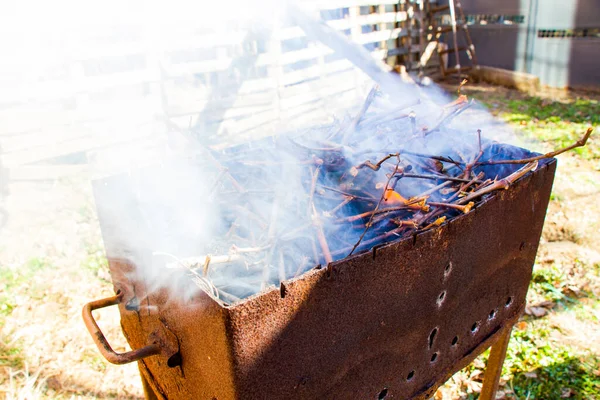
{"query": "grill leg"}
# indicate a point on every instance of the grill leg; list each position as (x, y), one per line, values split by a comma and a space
(493, 370)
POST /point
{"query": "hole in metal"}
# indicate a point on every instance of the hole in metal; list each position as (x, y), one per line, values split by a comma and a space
(133, 304)
(383, 394)
(508, 301)
(441, 298)
(432, 336)
(447, 269)
(434, 357)
(175, 360)
(410, 375)
(474, 327)
(522, 246)
(454, 340)
(492, 315)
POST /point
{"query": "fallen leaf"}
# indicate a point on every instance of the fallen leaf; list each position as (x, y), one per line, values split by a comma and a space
(537, 312)
(521, 325)
(546, 304)
(475, 387)
(476, 375)
(531, 375)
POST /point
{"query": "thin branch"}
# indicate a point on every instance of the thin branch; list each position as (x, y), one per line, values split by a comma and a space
(580, 143)
(374, 211)
(502, 183)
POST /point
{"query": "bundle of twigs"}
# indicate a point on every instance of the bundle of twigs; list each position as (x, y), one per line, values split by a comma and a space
(315, 199)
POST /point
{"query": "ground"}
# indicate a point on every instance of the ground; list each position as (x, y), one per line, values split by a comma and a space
(52, 262)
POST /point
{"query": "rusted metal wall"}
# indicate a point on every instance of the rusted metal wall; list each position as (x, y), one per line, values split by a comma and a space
(556, 40)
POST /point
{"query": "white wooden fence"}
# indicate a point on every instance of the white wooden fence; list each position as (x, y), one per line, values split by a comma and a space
(119, 90)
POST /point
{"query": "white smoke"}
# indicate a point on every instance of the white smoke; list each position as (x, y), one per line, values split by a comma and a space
(218, 187)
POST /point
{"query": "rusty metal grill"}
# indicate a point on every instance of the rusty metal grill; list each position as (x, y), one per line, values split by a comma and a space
(393, 322)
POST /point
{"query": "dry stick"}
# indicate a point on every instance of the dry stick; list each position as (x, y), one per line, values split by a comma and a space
(384, 119)
(361, 113)
(462, 83)
(435, 189)
(413, 122)
(314, 250)
(410, 223)
(234, 249)
(502, 183)
(271, 238)
(440, 178)
(336, 208)
(476, 179)
(403, 207)
(321, 236)
(470, 165)
(580, 143)
(449, 117)
(244, 212)
(437, 158)
(377, 166)
(465, 209)
(301, 266)
(203, 283)
(437, 222)
(374, 211)
(346, 193)
(291, 235)
(282, 271)
(313, 186)
(216, 183)
(201, 260)
(232, 298)
(316, 220)
(305, 147)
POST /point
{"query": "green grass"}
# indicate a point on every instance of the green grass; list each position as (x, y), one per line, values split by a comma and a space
(543, 369)
(548, 282)
(96, 260)
(10, 355)
(11, 279)
(539, 367)
(557, 123)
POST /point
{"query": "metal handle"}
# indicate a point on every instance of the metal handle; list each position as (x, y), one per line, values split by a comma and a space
(102, 343)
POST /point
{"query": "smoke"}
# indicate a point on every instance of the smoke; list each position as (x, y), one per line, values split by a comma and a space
(228, 132)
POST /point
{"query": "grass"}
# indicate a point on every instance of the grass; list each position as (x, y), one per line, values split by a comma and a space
(10, 355)
(11, 282)
(558, 123)
(539, 366)
(542, 369)
(548, 283)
